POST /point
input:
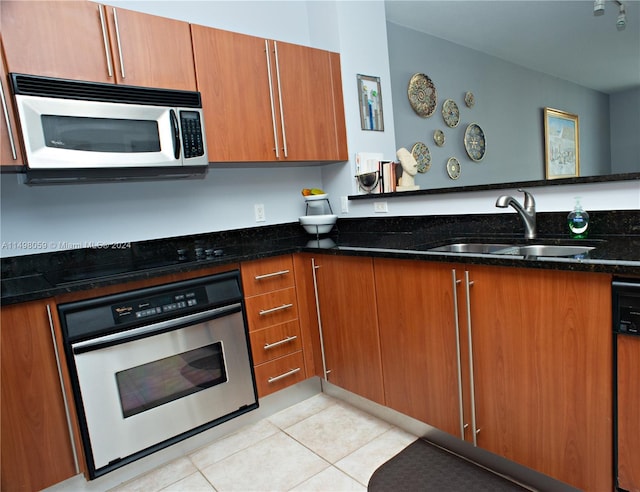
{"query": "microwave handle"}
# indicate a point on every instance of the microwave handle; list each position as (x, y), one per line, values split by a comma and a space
(176, 135)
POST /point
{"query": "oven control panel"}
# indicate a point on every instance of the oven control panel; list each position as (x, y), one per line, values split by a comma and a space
(159, 306)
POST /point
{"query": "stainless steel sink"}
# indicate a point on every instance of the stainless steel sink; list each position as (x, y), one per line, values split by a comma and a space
(544, 250)
(485, 248)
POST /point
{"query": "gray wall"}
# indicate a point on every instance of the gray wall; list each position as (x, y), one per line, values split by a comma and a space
(625, 122)
(509, 108)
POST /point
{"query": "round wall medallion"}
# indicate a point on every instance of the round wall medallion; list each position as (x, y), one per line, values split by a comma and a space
(438, 138)
(453, 168)
(469, 99)
(474, 142)
(422, 155)
(422, 95)
(450, 113)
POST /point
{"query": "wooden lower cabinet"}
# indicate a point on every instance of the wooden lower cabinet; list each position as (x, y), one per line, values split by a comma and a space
(348, 314)
(535, 347)
(542, 368)
(279, 373)
(418, 340)
(628, 352)
(36, 445)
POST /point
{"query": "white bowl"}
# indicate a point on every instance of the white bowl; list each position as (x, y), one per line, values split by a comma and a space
(315, 201)
(318, 224)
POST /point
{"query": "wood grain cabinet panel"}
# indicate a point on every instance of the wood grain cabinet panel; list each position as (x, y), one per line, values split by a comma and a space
(275, 341)
(542, 365)
(267, 275)
(628, 348)
(268, 101)
(271, 308)
(98, 43)
(347, 305)
(36, 445)
(418, 341)
(279, 373)
(10, 140)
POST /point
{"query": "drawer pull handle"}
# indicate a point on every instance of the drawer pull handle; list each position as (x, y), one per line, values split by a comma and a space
(268, 346)
(269, 275)
(286, 374)
(273, 310)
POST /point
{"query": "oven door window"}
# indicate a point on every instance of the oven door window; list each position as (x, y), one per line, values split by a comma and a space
(100, 134)
(149, 385)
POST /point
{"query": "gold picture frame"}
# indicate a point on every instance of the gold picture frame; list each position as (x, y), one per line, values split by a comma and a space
(562, 144)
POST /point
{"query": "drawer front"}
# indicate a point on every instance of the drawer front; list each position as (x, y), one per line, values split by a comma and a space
(279, 373)
(271, 309)
(266, 275)
(275, 341)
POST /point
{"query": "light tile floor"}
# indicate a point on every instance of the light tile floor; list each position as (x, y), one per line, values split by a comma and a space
(320, 444)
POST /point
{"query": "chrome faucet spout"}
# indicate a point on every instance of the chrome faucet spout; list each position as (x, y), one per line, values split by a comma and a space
(527, 213)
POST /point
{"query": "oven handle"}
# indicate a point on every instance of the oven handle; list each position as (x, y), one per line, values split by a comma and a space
(149, 330)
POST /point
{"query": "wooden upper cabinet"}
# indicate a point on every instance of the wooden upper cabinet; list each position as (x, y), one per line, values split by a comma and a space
(309, 109)
(233, 77)
(79, 40)
(10, 149)
(267, 101)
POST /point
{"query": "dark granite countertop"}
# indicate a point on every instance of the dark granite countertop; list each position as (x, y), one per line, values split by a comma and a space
(615, 236)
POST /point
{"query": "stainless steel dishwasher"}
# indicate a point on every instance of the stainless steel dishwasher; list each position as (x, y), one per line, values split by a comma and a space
(154, 366)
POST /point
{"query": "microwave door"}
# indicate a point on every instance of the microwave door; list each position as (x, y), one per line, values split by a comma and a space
(65, 133)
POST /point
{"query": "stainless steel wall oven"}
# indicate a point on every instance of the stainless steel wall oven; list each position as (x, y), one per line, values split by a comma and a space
(151, 367)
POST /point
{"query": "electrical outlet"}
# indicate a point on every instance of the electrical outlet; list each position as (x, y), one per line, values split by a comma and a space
(380, 207)
(259, 210)
(344, 201)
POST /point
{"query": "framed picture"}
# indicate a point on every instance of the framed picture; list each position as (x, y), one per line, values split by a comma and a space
(370, 102)
(562, 144)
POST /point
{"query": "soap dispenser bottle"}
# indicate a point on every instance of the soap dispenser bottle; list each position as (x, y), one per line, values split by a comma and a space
(578, 221)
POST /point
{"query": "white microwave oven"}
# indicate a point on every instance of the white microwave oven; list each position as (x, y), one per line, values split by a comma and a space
(83, 130)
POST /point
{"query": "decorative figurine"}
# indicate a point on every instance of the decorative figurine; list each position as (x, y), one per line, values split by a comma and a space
(409, 170)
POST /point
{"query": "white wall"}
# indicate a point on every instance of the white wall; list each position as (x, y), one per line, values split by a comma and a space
(117, 212)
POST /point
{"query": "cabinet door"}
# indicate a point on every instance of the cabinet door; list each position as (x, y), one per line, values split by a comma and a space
(347, 303)
(233, 77)
(542, 365)
(312, 103)
(418, 339)
(628, 412)
(10, 147)
(151, 51)
(56, 39)
(36, 447)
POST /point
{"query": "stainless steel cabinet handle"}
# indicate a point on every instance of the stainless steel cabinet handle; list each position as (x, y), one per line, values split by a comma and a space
(268, 346)
(282, 376)
(456, 282)
(314, 267)
(273, 109)
(269, 275)
(284, 133)
(115, 21)
(273, 310)
(7, 119)
(474, 426)
(105, 41)
(64, 392)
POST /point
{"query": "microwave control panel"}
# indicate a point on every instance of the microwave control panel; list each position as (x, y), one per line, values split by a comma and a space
(192, 138)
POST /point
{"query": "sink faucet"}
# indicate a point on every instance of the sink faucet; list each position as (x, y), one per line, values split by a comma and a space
(528, 213)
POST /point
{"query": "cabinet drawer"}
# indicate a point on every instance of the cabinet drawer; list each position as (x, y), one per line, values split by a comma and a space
(261, 276)
(271, 309)
(279, 373)
(275, 341)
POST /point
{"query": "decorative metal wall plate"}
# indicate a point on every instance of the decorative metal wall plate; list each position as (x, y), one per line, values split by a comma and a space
(422, 155)
(469, 99)
(453, 168)
(438, 138)
(450, 113)
(474, 142)
(423, 96)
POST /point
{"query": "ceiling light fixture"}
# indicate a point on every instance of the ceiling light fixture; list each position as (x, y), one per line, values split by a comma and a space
(598, 7)
(621, 23)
